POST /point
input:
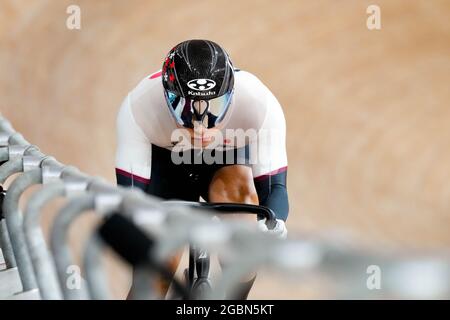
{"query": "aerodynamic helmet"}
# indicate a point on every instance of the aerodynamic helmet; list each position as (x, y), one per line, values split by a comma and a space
(198, 80)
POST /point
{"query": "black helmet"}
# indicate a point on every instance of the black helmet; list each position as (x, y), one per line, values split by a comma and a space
(198, 78)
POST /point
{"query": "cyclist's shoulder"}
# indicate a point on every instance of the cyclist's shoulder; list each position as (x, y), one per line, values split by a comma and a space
(149, 85)
(145, 108)
(250, 87)
(148, 96)
(246, 77)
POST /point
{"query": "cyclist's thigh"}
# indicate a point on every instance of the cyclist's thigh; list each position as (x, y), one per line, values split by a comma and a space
(233, 184)
(222, 180)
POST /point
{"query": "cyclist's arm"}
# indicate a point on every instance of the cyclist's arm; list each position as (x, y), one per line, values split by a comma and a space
(272, 193)
(133, 153)
(270, 169)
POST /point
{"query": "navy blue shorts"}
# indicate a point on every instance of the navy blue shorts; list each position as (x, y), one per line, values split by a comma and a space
(188, 181)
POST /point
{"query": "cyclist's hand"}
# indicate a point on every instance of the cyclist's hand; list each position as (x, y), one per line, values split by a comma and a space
(279, 230)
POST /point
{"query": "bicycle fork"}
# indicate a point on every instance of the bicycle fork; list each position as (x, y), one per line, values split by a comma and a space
(199, 266)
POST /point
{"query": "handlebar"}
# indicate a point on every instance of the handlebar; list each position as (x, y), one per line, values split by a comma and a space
(233, 208)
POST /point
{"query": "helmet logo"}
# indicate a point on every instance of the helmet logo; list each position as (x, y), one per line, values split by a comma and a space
(201, 84)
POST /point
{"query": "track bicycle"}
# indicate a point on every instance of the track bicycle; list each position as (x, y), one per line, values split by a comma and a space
(196, 276)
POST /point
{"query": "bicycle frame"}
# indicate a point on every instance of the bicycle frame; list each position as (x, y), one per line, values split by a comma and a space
(199, 259)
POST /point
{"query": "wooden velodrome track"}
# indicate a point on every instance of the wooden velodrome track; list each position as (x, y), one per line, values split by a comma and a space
(367, 111)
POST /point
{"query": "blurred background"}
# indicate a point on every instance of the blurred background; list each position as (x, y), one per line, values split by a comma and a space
(367, 111)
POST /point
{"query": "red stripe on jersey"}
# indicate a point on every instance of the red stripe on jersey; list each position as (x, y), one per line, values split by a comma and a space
(271, 173)
(132, 176)
(156, 75)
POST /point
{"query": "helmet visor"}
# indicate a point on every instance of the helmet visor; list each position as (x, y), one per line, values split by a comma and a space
(210, 112)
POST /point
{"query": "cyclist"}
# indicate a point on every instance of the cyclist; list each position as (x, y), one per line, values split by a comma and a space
(201, 128)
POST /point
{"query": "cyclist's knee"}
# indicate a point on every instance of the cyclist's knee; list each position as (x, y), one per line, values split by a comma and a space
(233, 184)
(161, 284)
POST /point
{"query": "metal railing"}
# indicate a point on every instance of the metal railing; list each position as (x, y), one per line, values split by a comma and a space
(149, 232)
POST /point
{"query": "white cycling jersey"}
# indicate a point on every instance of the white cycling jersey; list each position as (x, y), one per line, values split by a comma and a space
(144, 119)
